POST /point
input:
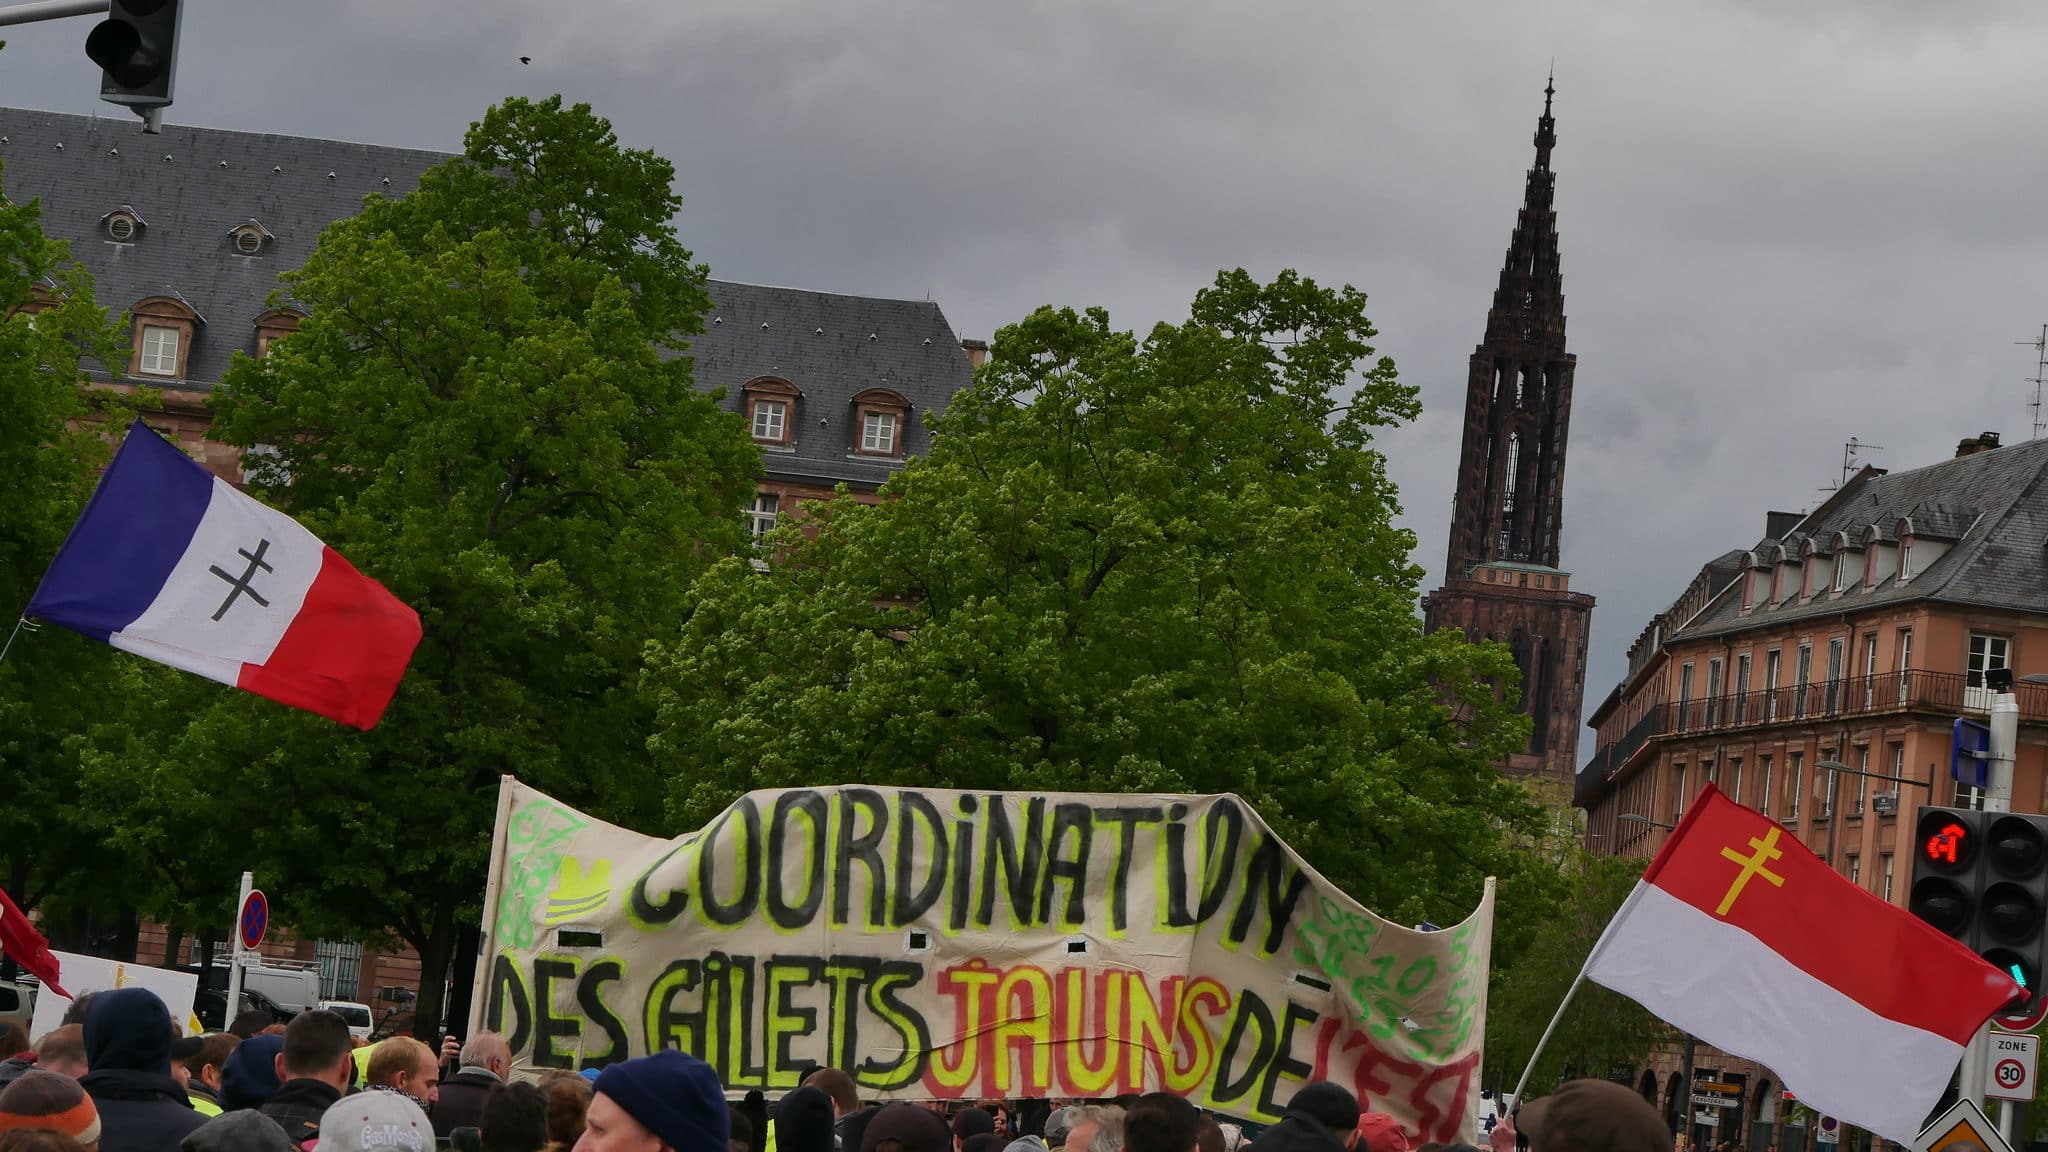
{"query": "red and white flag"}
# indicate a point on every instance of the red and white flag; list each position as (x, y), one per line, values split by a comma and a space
(1743, 937)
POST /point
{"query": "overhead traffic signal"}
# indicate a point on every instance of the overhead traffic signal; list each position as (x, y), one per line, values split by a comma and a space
(1982, 877)
(136, 47)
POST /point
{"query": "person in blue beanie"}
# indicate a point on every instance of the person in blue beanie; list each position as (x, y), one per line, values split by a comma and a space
(665, 1102)
(250, 1078)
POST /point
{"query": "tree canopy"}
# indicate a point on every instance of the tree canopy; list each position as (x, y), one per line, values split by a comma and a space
(481, 412)
(51, 684)
(1159, 564)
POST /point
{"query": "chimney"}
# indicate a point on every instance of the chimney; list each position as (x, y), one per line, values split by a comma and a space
(1776, 524)
(977, 351)
(1984, 442)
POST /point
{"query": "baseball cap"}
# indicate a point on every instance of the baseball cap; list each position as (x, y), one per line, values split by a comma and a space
(1593, 1116)
(376, 1122)
(1381, 1132)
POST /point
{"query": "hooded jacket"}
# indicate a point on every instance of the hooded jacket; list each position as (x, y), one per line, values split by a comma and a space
(1298, 1133)
(128, 1054)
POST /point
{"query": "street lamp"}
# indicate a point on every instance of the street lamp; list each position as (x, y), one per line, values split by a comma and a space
(1639, 818)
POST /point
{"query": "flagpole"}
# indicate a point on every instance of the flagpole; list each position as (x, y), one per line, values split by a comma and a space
(19, 623)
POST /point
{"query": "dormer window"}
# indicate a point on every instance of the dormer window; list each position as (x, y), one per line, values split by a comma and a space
(122, 225)
(881, 417)
(162, 337)
(770, 407)
(249, 237)
(273, 326)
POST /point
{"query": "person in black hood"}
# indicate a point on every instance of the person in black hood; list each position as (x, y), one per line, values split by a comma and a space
(128, 1059)
(317, 1065)
(803, 1121)
(1322, 1117)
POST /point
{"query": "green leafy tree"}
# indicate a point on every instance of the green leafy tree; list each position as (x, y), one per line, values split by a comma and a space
(482, 412)
(50, 682)
(1602, 1029)
(1166, 564)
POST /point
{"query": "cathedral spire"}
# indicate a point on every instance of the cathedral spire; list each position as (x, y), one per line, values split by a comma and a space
(1546, 126)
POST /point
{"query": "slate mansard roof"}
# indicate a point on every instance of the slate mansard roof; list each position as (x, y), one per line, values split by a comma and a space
(1990, 508)
(192, 187)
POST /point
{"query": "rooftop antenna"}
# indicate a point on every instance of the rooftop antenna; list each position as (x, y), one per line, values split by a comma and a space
(2040, 375)
(1849, 460)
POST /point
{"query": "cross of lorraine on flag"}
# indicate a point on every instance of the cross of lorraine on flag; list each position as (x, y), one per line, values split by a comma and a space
(1743, 937)
(172, 563)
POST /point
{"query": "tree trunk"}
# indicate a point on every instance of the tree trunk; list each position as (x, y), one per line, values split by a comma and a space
(127, 931)
(435, 954)
(174, 942)
(464, 991)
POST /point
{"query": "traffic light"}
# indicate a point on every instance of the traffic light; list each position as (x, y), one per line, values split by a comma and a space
(1982, 877)
(136, 47)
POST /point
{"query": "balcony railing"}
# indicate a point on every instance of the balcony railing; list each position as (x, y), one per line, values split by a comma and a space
(1884, 692)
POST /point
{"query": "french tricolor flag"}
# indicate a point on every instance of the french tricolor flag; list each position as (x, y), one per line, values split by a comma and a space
(171, 562)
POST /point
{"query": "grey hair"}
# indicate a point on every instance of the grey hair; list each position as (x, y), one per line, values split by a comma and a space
(477, 1052)
(1109, 1133)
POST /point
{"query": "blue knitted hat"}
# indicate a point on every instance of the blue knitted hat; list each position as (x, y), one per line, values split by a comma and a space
(673, 1095)
(250, 1077)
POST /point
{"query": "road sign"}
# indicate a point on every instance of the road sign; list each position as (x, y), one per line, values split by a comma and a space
(2025, 1019)
(253, 920)
(1963, 1123)
(2012, 1065)
(1830, 1131)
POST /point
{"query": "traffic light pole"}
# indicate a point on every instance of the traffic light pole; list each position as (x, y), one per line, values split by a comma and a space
(51, 10)
(2005, 730)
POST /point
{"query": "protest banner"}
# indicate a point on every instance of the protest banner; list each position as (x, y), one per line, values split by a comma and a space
(950, 945)
(83, 974)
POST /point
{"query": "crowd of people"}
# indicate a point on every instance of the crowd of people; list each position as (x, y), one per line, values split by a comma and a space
(115, 1076)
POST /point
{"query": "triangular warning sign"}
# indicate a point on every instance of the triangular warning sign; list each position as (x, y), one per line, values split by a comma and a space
(1962, 1128)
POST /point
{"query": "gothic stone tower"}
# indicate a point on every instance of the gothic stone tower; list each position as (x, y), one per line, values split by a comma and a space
(1502, 580)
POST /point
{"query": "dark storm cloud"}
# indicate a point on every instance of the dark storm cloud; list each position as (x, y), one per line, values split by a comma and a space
(1782, 225)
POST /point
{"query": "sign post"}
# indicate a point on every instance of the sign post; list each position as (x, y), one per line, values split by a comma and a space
(250, 901)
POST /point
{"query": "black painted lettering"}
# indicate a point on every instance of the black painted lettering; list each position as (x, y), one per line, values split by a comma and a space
(1066, 860)
(914, 812)
(590, 997)
(1017, 857)
(1221, 833)
(546, 1024)
(1283, 1064)
(746, 858)
(864, 846)
(1177, 913)
(508, 991)
(670, 1026)
(1251, 1013)
(811, 873)
(1127, 821)
(1268, 874)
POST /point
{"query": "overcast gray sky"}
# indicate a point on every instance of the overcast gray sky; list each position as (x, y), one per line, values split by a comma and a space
(1783, 225)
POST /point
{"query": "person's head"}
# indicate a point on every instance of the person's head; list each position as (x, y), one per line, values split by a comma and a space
(568, 1100)
(803, 1121)
(250, 1022)
(998, 1114)
(250, 1076)
(1380, 1132)
(969, 1123)
(1209, 1137)
(1593, 1116)
(62, 1050)
(906, 1128)
(1161, 1122)
(204, 1066)
(488, 1050)
(667, 1099)
(845, 1094)
(128, 1029)
(316, 1048)
(40, 1140)
(739, 1131)
(515, 1119)
(403, 1064)
(13, 1039)
(38, 1099)
(1330, 1105)
(80, 1005)
(243, 1130)
(1101, 1129)
(375, 1122)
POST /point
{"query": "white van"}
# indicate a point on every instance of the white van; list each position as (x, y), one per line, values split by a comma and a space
(357, 1016)
(293, 985)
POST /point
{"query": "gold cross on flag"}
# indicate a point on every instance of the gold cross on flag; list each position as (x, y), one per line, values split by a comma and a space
(1767, 850)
